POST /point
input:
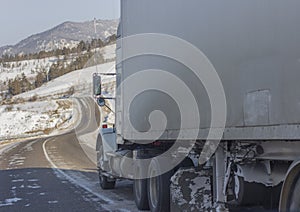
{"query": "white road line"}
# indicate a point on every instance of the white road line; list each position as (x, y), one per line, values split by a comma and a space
(78, 113)
(88, 109)
(72, 180)
(8, 147)
(84, 104)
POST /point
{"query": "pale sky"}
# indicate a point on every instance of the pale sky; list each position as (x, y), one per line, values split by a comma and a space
(22, 18)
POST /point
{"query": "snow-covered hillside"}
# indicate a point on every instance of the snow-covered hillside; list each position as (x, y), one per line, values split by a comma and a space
(31, 67)
(53, 109)
(109, 52)
(80, 80)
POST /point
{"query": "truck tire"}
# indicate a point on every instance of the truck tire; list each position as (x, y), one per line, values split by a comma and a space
(140, 188)
(140, 193)
(246, 193)
(106, 183)
(289, 200)
(158, 188)
(293, 201)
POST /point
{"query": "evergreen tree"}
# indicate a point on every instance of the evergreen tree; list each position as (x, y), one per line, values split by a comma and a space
(24, 83)
(40, 79)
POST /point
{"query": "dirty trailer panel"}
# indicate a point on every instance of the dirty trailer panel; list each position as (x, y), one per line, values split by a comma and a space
(253, 45)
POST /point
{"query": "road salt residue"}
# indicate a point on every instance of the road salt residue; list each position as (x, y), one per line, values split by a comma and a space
(9, 202)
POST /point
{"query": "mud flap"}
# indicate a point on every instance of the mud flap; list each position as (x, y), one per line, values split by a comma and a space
(191, 190)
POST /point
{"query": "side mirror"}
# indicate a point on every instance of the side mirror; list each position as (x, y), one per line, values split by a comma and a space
(96, 84)
(101, 102)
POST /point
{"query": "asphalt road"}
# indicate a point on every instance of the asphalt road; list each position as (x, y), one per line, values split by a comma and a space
(59, 173)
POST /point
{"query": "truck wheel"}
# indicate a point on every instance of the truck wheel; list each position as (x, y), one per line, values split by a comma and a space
(106, 183)
(289, 200)
(140, 193)
(140, 187)
(246, 193)
(158, 188)
(293, 203)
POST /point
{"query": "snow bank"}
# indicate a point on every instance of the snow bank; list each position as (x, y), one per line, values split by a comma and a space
(36, 118)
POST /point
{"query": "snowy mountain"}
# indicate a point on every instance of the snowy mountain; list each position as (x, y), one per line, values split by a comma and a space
(68, 34)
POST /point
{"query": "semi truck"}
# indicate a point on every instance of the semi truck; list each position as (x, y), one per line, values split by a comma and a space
(207, 105)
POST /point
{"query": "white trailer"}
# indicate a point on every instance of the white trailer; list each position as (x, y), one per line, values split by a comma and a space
(254, 48)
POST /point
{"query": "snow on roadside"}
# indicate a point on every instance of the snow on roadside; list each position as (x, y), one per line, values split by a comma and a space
(10, 202)
(35, 118)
